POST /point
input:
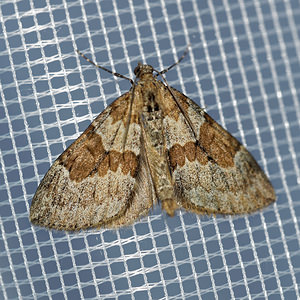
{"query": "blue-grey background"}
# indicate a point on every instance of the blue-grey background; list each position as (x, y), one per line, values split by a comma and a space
(243, 67)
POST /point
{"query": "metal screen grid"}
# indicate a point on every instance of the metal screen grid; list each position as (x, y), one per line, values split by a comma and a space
(243, 67)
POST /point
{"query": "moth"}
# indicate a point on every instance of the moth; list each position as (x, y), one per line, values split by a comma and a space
(151, 145)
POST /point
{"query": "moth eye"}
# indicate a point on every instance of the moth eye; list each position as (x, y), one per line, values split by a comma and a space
(149, 108)
(156, 107)
(136, 70)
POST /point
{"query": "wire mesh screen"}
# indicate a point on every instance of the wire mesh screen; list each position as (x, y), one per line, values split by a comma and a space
(243, 67)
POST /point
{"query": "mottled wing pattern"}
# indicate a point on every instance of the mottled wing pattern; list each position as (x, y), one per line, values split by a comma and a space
(98, 180)
(215, 174)
(143, 197)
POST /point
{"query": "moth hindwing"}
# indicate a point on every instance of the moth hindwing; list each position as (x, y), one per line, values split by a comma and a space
(153, 144)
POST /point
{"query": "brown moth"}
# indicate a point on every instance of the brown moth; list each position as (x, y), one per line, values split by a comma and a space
(152, 144)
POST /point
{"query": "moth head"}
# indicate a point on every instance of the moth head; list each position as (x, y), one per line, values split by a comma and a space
(141, 70)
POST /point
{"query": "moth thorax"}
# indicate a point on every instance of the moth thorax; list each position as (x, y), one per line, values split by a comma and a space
(140, 70)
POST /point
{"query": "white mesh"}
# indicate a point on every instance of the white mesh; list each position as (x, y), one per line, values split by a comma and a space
(243, 66)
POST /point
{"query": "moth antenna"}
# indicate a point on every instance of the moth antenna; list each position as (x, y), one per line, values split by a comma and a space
(103, 68)
(177, 62)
